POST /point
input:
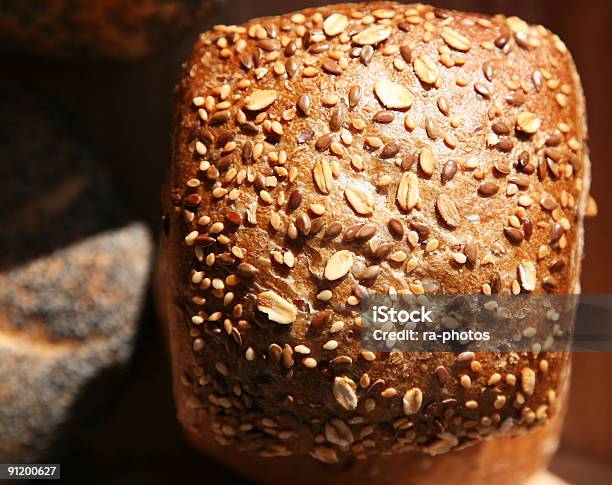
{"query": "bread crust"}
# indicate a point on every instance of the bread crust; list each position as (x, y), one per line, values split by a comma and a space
(338, 112)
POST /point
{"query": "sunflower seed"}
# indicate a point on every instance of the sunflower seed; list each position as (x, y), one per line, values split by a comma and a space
(488, 70)
(354, 96)
(383, 117)
(513, 234)
(488, 188)
(390, 150)
(332, 230)
(277, 308)
(483, 90)
(548, 202)
(303, 224)
(295, 199)
(336, 120)
(471, 252)
(432, 129)
(324, 142)
(449, 170)
(408, 161)
(332, 67)
(383, 250)
(443, 105)
(325, 454)
(520, 179)
(247, 270)
(219, 118)
(426, 161)
(396, 228)
(366, 231)
(370, 273)
(502, 166)
(406, 52)
(528, 380)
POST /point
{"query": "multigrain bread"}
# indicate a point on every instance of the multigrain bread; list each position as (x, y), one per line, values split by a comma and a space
(358, 149)
(85, 29)
(73, 275)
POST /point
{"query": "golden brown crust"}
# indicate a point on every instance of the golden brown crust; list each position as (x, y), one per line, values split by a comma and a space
(290, 128)
(510, 460)
(82, 29)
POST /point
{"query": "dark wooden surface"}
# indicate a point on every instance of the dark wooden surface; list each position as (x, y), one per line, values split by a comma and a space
(126, 110)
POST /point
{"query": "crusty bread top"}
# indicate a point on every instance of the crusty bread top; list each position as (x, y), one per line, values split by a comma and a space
(367, 148)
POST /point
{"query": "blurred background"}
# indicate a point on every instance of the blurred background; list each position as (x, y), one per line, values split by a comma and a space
(124, 110)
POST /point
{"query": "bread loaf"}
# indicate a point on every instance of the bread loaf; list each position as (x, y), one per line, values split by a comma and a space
(85, 29)
(73, 274)
(359, 149)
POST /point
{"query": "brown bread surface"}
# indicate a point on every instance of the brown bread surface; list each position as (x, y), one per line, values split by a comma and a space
(299, 142)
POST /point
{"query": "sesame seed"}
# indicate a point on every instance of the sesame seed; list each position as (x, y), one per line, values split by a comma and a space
(330, 345)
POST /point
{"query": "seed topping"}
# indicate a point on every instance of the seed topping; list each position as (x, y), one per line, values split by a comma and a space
(338, 265)
(412, 401)
(335, 24)
(448, 211)
(527, 122)
(393, 95)
(344, 392)
(425, 69)
(455, 40)
(372, 35)
(323, 176)
(277, 308)
(261, 99)
(408, 191)
(359, 201)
